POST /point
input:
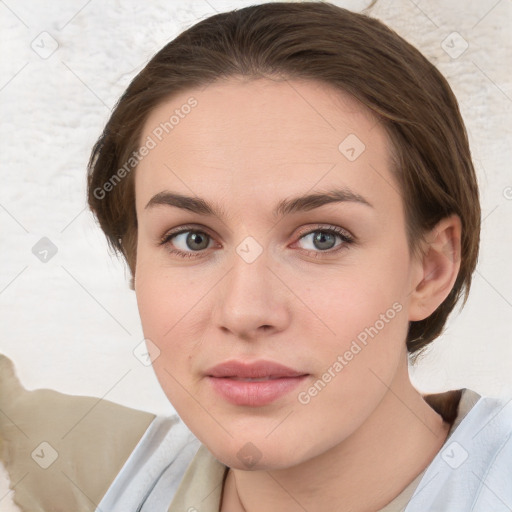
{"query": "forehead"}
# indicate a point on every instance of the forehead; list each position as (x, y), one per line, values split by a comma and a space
(263, 136)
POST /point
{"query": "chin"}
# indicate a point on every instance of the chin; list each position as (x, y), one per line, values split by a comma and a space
(254, 456)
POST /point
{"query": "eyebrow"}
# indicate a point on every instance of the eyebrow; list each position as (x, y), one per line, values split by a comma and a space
(284, 207)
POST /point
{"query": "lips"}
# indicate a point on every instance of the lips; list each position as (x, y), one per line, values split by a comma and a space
(253, 384)
(263, 370)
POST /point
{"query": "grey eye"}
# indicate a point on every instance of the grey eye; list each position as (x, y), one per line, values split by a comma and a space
(321, 240)
(191, 240)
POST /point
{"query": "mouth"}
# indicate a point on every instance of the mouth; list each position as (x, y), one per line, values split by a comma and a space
(253, 384)
(261, 379)
(253, 370)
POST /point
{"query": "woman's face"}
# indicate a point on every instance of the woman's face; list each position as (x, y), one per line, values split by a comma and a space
(319, 286)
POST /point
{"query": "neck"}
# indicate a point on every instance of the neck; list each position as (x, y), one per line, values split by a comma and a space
(364, 472)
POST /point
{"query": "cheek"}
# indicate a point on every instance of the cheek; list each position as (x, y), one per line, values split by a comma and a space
(164, 295)
(164, 307)
(368, 332)
(173, 309)
(165, 316)
(365, 308)
(355, 297)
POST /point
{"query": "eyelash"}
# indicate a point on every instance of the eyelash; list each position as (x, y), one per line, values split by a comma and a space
(341, 233)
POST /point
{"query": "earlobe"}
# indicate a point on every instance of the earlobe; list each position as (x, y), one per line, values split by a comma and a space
(439, 267)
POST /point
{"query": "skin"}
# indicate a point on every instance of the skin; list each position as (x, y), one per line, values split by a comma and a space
(247, 145)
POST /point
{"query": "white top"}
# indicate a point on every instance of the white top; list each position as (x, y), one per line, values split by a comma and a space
(473, 470)
(151, 474)
(170, 470)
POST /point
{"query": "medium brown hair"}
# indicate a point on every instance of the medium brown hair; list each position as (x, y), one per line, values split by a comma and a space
(310, 40)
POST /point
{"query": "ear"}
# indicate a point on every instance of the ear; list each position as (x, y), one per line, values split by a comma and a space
(438, 267)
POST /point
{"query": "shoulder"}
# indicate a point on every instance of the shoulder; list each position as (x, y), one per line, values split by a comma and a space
(52, 440)
(153, 472)
(473, 469)
(487, 427)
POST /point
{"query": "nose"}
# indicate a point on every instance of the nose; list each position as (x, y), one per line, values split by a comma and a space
(252, 300)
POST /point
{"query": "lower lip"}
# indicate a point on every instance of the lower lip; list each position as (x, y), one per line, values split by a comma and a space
(257, 393)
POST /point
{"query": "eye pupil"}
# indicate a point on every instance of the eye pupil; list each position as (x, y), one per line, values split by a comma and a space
(195, 237)
(320, 239)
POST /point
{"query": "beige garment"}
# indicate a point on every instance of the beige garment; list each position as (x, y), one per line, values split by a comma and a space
(201, 487)
(62, 452)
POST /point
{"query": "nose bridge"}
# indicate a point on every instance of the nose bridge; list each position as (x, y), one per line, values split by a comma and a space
(249, 277)
(250, 296)
(250, 272)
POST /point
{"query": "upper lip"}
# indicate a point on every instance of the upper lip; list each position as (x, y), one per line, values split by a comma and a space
(252, 370)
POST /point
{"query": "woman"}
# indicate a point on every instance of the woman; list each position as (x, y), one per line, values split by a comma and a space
(292, 188)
